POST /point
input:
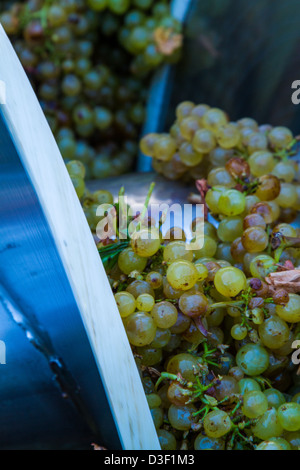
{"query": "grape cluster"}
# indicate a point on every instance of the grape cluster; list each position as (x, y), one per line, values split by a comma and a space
(203, 140)
(212, 333)
(212, 337)
(90, 63)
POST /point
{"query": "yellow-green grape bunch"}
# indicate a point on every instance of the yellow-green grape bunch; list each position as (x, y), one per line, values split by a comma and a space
(212, 339)
(203, 140)
(90, 64)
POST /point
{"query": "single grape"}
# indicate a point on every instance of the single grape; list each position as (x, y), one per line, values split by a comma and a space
(253, 359)
(140, 329)
(291, 311)
(255, 404)
(289, 416)
(217, 423)
(182, 275)
(126, 303)
(164, 314)
(230, 281)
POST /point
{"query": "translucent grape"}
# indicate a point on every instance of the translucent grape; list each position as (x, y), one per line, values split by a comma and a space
(217, 424)
(230, 281)
(255, 404)
(182, 275)
(253, 359)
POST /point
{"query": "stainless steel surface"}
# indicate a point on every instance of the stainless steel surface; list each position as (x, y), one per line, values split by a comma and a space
(51, 395)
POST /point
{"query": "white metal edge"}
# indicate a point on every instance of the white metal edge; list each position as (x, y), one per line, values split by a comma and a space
(44, 164)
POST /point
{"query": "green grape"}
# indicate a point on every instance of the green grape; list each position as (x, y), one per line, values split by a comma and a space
(188, 127)
(153, 58)
(138, 287)
(140, 329)
(103, 197)
(126, 303)
(71, 85)
(181, 325)
(268, 425)
(209, 247)
(119, 7)
(213, 119)
(253, 359)
(149, 356)
(154, 279)
(167, 440)
(79, 185)
(232, 203)
(291, 311)
(288, 195)
(248, 385)
(182, 275)
(184, 364)
(262, 265)
(146, 242)
(162, 338)
(255, 404)
(280, 138)
(157, 416)
(220, 177)
(275, 398)
(147, 144)
(103, 118)
(129, 261)
(239, 332)
(284, 171)
(184, 109)
(261, 163)
(289, 416)
(230, 228)
(285, 445)
(145, 302)
(286, 230)
(154, 400)
(269, 445)
(217, 424)
(164, 148)
(138, 39)
(164, 314)
(203, 141)
(193, 304)
(76, 169)
(181, 417)
(228, 136)
(255, 239)
(293, 438)
(208, 443)
(230, 281)
(189, 156)
(202, 271)
(97, 5)
(296, 398)
(212, 198)
(251, 200)
(274, 332)
(177, 250)
(256, 141)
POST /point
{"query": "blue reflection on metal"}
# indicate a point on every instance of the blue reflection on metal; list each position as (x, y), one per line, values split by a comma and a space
(51, 394)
